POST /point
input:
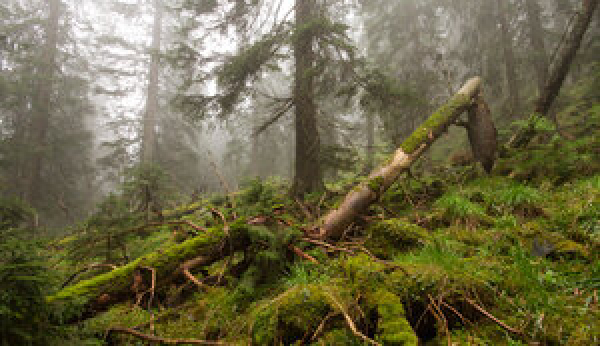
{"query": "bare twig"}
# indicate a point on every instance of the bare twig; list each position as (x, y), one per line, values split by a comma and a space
(491, 317)
(152, 285)
(302, 254)
(350, 323)
(327, 245)
(187, 265)
(322, 324)
(440, 315)
(156, 339)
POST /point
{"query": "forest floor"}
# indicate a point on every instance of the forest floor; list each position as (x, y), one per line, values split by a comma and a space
(449, 257)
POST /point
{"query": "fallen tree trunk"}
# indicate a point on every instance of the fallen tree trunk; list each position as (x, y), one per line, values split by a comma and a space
(216, 243)
(565, 57)
(362, 196)
(558, 73)
(213, 245)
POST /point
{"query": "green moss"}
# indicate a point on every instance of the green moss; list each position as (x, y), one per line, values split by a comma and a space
(436, 123)
(392, 326)
(387, 237)
(375, 184)
(164, 262)
(290, 315)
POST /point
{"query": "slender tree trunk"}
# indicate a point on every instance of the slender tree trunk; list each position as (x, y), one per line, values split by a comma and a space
(307, 168)
(509, 59)
(42, 103)
(370, 152)
(149, 134)
(565, 57)
(362, 196)
(536, 36)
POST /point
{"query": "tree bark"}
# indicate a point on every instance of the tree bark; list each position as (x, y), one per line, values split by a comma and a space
(565, 57)
(42, 103)
(536, 36)
(307, 167)
(149, 134)
(509, 59)
(370, 152)
(361, 197)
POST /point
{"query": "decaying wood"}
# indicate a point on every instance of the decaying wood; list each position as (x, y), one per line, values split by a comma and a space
(116, 285)
(482, 133)
(361, 197)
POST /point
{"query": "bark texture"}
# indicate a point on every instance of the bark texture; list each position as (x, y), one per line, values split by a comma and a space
(149, 134)
(42, 102)
(539, 59)
(482, 133)
(307, 168)
(370, 152)
(565, 57)
(359, 199)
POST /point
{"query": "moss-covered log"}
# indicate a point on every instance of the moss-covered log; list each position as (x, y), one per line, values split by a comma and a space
(359, 199)
(107, 288)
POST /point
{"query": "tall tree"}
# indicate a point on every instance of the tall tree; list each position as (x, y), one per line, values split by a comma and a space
(509, 58)
(149, 128)
(539, 59)
(307, 172)
(42, 101)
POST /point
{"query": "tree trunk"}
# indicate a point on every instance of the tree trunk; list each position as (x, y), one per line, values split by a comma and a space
(565, 57)
(307, 168)
(539, 58)
(115, 285)
(509, 59)
(370, 152)
(361, 197)
(42, 103)
(149, 134)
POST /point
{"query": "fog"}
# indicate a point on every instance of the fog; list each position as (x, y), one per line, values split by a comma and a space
(238, 82)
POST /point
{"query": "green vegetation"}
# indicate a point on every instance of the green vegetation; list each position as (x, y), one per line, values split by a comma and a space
(453, 257)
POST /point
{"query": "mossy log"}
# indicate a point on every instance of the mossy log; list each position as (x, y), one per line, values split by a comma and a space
(359, 199)
(105, 289)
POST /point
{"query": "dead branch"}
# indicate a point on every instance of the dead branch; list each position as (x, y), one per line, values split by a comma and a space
(156, 339)
(327, 245)
(440, 316)
(276, 117)
(491, 317)
(350, 323)
(187, 265)
(302, 254)
(322, 325)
